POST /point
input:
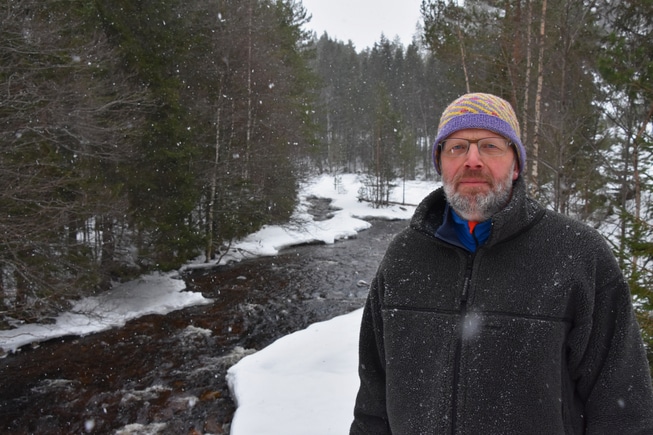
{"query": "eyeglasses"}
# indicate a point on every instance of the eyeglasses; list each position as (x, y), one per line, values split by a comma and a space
(489, 147)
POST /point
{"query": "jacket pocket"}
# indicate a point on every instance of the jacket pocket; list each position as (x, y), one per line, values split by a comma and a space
(510, 376)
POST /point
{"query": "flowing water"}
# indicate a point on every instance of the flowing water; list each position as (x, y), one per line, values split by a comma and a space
(166, 374)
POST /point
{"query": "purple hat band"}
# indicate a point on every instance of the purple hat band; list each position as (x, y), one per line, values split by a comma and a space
(481, 121)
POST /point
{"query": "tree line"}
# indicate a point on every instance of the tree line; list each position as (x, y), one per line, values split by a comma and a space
(579, 75)
(136, 135)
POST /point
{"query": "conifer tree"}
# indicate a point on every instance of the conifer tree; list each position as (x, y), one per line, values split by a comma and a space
(626, 66)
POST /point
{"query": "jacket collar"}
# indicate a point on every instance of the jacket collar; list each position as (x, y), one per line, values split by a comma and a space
(520, 213)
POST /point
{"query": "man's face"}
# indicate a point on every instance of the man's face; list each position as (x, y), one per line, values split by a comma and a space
(478, 186)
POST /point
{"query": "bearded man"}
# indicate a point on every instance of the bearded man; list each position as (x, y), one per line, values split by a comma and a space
(490, 314)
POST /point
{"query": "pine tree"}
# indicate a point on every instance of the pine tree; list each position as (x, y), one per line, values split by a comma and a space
(626, 66)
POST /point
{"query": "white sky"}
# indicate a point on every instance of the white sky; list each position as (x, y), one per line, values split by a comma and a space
(363, 21)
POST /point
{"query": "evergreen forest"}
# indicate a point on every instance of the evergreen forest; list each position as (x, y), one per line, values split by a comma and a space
(136, 135)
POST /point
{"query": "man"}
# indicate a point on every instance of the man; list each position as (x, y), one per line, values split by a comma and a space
(492, 315)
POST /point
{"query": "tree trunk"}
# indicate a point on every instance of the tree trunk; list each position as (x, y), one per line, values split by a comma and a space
(250, 93)
(527, 77)
(538, 100)
(463, 59)
(210, 230)
(2, 287)
(637, 180)
(108, 251)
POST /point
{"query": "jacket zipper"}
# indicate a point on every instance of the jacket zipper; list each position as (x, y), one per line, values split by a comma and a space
(459, 344)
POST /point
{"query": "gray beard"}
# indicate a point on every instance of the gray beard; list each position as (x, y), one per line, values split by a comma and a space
(481, 206)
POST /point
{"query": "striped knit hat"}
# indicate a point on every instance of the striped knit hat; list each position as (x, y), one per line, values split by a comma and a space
(484, 111)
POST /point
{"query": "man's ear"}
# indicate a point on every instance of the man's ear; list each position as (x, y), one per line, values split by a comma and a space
(516, 168)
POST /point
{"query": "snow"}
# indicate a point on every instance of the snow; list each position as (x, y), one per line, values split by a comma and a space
(302, 383)
(151, 294)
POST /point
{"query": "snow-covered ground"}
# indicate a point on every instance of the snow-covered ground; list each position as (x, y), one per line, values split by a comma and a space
(150, 294)
(304, 382)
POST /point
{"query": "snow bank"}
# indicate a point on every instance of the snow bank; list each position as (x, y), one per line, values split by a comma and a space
(151, 294)
(303, 383)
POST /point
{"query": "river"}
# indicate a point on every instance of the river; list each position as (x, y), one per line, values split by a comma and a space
(166, 374)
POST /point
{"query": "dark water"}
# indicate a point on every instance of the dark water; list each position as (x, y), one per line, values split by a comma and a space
(166, 374)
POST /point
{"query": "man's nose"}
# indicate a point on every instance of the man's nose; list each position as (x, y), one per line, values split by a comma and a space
(473, 157)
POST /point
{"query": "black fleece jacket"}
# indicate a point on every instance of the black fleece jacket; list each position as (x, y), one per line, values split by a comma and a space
(532, 334)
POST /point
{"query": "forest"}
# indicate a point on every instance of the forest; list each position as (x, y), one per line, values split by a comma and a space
(138, 135)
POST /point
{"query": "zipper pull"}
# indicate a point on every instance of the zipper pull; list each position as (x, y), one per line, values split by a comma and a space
(463, 296)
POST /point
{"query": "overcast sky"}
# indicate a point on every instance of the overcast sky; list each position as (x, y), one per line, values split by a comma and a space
(363, 21)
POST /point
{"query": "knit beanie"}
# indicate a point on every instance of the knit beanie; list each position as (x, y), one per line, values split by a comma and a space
(483, 111)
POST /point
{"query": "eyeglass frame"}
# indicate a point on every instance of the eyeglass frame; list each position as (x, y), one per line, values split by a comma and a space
(508, 143)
